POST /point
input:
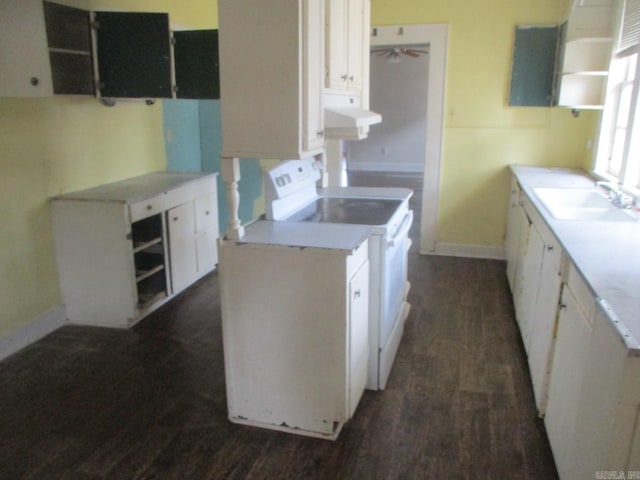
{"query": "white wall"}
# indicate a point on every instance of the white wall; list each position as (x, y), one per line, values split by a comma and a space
(399, 93)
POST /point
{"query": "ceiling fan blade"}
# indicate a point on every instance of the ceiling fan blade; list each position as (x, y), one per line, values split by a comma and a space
(410, 53)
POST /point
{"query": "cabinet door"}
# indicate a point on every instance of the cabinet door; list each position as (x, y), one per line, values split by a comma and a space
(196, 64)
(24, 58)
(336, 41)
(356, 51)
(182, 246)
(346, 49)
(567, 373)
(514, 225)
(313, 36)
(69, 39)
(531, 266)
(523, 238)
(206, 214)
(134, 54)
(543, 323)
(533, 66)
(358, 336)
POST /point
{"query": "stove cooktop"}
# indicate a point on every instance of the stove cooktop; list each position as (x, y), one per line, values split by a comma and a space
(354, 211)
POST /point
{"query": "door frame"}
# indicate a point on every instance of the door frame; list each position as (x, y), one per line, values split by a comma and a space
(435, 35)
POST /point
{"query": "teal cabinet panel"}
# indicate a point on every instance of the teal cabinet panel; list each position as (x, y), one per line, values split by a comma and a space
(534, 66)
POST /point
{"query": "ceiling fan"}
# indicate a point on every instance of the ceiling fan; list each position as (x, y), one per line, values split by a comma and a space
(393, 54)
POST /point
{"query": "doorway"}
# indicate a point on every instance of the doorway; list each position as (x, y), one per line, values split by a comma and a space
(433, 39)
(398, 91)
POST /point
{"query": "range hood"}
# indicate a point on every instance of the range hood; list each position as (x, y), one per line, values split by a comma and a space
(350, 117)
(345, 119)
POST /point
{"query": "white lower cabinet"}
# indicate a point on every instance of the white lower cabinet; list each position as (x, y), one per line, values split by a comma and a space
(585, 379)
(295, 332)
(594, 396)
(125, 248)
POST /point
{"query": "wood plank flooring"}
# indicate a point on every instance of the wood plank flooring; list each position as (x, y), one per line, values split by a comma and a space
(149, 403)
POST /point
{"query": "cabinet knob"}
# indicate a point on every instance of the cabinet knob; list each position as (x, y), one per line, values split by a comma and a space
(344, 76)
(550, 248)
(351, 78)
(149, 207)
(320, 133)
(35, 81)
(207, 212)
(175, 219)
(356, 294)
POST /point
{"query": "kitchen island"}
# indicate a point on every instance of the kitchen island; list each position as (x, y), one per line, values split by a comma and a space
(295, 304)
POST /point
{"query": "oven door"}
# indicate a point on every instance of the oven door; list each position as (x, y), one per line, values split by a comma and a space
(392, 286)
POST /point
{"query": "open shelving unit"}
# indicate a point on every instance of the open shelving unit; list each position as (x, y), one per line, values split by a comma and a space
(149, 260)
(585, 54)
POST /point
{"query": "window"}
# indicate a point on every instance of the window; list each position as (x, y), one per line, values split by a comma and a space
(619, 145)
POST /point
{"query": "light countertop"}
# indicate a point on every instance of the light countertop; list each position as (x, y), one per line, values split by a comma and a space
(135, 189)
(607, 254)
(340, 238)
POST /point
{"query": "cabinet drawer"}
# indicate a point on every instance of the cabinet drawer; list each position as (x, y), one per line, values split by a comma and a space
(146, 208)
(190, 191)
(206, 213)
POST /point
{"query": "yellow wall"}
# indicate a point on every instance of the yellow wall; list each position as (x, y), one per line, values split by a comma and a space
(53, 145)
(482, 133)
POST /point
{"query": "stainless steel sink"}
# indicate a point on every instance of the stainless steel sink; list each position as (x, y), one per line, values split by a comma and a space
(580, 204)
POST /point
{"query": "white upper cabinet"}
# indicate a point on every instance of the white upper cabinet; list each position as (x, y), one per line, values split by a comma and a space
(24, 55)
(346, 84)
(271, 57)
(347, 44)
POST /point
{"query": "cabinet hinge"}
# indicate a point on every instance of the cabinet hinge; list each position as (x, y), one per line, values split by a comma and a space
(95, 24)
(129, 236)
(173, 40)
(175, 88)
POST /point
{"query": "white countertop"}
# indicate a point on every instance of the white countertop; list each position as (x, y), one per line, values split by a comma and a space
(135, 189)
(339, 237)
(607, 254)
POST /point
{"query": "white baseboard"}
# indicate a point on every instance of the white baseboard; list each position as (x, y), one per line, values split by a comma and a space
(469, 251)
(385, 167)
(32, 331)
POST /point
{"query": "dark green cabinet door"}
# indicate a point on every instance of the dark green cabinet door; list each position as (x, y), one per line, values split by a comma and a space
(196, 64)
(134, 53)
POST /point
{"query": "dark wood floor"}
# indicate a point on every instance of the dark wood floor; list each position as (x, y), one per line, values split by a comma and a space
(149, 403)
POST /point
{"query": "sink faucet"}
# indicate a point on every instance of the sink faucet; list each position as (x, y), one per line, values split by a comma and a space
(616, 195)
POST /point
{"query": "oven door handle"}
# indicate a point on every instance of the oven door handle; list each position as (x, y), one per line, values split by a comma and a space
(402, 230)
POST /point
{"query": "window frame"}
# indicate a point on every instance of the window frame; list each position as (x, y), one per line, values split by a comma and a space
(629, 172)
